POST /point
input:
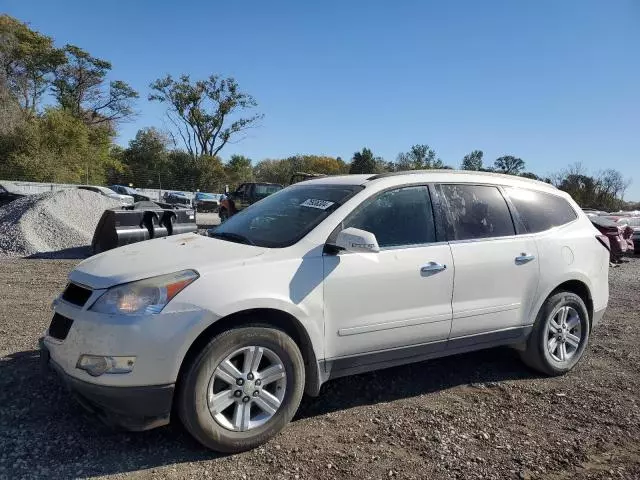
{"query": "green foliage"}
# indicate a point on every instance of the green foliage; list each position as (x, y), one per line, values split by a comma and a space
(28, 60)
(280, 171)
(604, 191)
(509, 164)
(238, 169)
(364, 162)
(473, 161)
(79, 88)
(202, 112)
(145, 161)
(420, 157)
(57, 147)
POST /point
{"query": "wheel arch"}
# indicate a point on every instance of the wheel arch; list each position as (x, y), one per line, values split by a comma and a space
(268, 317)
(581, 289)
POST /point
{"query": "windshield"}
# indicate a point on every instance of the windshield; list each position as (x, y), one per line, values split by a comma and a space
(207, 196)
(281, 219)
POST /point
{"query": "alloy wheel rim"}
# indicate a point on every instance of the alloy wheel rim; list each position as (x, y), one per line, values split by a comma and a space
(247, 388)
(564, 334)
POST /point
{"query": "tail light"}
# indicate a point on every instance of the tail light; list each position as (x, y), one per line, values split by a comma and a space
(604, 241)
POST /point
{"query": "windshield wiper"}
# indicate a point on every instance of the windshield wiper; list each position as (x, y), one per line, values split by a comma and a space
(232, 237)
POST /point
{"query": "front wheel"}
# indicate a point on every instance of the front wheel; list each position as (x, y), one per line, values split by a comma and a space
(560, 335)
(242, 389)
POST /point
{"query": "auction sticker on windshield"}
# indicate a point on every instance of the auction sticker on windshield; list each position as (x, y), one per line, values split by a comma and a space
(315, 203)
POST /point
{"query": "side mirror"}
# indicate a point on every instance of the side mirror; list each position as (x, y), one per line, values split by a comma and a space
(356, 240)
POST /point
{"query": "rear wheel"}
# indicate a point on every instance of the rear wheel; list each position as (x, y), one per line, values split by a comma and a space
(242, 389)
(560, 335)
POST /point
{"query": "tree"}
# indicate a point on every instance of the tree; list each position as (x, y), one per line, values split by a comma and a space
(530, 175)
(509, 164)
(79, 88)
(273, 170)
(28, 60)
(364, 162)
(604, 191)
(147, 159)
(420, 157)
(203, 113)
(57, 147)
(239, 169)
(473, 160)
(280, 171)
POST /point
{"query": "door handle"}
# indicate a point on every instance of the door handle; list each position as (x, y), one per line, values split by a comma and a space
(432, 267)
(524, 258)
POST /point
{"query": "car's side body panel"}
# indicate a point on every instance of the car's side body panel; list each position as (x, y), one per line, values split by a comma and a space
(361, 311)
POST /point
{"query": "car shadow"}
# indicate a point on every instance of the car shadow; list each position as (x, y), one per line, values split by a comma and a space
(40, 418)
(74, 253)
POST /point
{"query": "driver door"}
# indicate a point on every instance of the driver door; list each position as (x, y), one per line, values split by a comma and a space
(397, 298)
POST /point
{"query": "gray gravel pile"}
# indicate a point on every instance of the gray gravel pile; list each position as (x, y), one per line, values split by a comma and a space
(51, 223)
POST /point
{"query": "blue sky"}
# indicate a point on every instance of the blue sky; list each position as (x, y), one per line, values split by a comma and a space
(553, 82)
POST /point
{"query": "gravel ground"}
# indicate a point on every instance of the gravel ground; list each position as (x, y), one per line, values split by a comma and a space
(479, 415)
(57, 224)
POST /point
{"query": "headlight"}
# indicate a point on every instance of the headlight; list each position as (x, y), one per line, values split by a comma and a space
(144, 296)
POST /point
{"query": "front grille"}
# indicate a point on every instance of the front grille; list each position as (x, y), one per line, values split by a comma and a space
(60, 326)
(76, 294)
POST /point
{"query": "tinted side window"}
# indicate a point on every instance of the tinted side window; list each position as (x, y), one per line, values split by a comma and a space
(476, 211)
(540, 211)
(397, 217)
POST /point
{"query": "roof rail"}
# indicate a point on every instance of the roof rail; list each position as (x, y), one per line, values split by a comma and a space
(457, 172)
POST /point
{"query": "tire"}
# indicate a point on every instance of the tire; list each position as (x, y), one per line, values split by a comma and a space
(538, 353)
(203, 376)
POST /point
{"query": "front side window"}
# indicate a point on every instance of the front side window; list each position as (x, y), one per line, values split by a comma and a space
(400, 217)
(540, 211)
(475, 211)
(281, 219)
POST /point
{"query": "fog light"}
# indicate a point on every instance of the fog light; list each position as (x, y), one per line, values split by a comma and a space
(96, 365)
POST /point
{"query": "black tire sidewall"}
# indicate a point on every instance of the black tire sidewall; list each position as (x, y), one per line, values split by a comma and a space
(194, 410)
(552, 304)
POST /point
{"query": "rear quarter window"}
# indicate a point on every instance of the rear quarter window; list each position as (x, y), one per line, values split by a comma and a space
(540, 211)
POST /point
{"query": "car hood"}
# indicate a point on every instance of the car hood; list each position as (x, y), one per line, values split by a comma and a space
(120, 196)
(160, 256)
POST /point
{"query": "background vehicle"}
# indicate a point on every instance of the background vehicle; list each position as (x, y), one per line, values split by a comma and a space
(246, 194)
(107, 192)
(633, 222)
(124, 190)
(177, 198)
(206, 202)
(615, 233)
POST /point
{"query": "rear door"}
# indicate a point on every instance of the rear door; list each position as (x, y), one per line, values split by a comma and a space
(496, 270)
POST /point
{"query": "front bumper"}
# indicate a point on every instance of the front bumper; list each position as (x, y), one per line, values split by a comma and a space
(131, 408)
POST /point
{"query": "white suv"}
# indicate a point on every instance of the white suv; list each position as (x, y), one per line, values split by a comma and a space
(326, 278)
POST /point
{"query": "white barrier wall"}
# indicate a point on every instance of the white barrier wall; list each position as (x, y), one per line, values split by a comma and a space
(34, 188)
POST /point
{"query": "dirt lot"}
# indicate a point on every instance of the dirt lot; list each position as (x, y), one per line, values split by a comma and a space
(480, 415)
